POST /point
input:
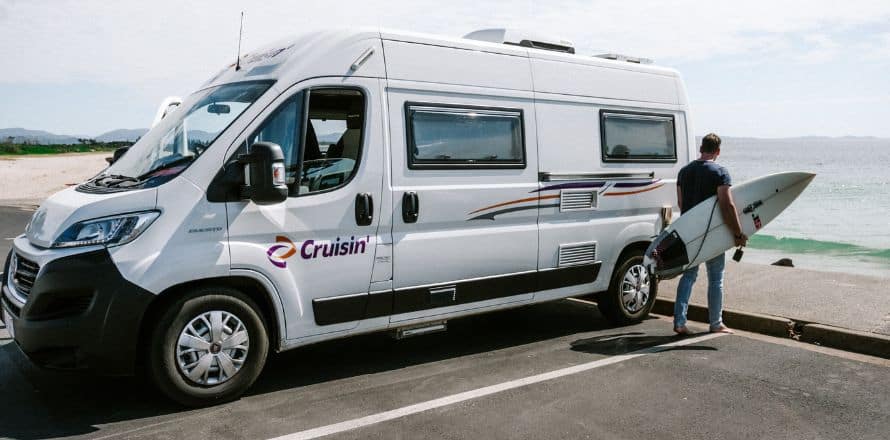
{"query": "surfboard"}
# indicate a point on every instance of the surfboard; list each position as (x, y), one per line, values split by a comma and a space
(700, 234)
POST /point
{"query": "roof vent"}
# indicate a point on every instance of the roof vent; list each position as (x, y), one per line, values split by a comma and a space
(522, 38)
(625, 58)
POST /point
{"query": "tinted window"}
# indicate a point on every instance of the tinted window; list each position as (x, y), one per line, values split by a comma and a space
(334, 136)
(325, 154)
(457, 137)
(638, 137)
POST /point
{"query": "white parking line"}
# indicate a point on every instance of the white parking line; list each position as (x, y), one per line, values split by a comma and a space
(481, 392)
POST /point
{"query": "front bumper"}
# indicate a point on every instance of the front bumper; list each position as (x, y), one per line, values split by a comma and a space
(80, 314)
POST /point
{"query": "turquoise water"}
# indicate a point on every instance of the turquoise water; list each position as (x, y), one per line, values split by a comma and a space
(842, 220)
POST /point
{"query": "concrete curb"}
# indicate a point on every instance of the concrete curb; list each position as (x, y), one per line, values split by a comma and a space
(836, 337)
(751, 322)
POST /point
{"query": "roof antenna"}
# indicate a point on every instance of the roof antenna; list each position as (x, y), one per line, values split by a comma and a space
(240, 29)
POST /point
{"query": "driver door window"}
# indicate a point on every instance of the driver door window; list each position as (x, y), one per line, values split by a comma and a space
(330, 148)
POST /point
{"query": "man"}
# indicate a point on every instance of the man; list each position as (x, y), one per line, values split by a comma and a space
(699, 180)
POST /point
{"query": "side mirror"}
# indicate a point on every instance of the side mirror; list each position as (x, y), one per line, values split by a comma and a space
(116, 155)
(264, 175)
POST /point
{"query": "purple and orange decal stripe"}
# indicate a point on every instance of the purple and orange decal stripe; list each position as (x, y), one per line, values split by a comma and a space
(635, 184)
(513, 202)
(607, 189)
(571, 185)
(627, 193)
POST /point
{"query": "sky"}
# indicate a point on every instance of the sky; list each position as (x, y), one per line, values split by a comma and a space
(754, 68)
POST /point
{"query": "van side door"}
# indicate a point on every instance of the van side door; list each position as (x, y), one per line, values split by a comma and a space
(317, 247)
(465, 205)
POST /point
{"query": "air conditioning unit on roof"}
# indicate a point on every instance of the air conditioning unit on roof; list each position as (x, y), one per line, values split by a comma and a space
(522, 38)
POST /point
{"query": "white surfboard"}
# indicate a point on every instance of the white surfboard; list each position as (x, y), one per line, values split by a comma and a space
(700, 234)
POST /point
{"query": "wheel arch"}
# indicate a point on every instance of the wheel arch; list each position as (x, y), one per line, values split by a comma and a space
(635, 237)
(252, 284)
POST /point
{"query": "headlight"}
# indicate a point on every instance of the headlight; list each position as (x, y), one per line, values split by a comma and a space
(110, 231)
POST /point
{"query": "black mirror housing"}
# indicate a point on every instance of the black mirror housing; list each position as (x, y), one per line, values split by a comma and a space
(264, 174)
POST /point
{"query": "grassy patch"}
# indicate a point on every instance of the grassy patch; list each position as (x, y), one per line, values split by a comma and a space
(8, 149)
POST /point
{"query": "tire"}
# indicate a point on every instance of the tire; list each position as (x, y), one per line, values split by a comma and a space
(632, 277)
(211, 356)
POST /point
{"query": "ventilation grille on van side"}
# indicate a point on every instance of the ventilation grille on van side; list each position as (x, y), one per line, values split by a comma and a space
(577, 200)
(578, 253)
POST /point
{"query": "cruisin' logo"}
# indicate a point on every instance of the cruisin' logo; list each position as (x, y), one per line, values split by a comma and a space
(278, 258)
(313, 249)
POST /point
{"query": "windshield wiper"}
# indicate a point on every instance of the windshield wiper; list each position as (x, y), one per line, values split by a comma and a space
(114, 180)
(168, 165)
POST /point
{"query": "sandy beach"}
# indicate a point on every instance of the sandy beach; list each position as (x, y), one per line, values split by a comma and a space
(30, 179)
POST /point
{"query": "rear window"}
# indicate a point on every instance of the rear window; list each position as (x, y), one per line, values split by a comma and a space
(457, 137)
(638, 137)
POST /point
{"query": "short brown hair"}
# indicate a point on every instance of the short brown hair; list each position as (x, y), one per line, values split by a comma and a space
(710, 143)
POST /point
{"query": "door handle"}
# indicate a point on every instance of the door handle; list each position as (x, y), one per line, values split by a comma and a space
(364, 209)
(410, 207)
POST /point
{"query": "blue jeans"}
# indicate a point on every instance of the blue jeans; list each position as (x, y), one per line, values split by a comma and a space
(715, 292)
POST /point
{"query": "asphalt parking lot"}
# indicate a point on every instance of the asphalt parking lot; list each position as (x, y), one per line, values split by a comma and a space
(555, 370)
(734, 386)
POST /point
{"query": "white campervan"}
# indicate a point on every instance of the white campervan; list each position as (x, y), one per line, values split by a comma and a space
(351, 182)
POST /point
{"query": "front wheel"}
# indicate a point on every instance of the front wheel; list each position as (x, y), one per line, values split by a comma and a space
(631, 293)
(208, 347)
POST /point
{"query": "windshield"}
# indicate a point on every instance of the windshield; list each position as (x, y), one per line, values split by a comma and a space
(182, 136)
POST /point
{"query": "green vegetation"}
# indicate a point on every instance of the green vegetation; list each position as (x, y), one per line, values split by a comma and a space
(9, 147)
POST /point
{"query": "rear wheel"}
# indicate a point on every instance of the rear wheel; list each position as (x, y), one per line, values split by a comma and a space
(631, 293)
(208, 347)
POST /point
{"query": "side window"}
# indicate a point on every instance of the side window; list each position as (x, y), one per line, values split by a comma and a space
(637, 137)
(321, 146)
(284, 129)
(334, 135)
(456, 137)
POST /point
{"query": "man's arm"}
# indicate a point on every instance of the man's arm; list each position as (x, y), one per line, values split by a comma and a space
(727, 208)
(679, 199)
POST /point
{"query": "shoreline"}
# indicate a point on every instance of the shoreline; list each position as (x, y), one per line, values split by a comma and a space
(816, 262)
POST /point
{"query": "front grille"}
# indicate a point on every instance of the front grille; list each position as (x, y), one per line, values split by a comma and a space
(24, 273)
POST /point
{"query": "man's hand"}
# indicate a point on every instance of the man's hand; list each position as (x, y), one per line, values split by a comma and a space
(727, 208)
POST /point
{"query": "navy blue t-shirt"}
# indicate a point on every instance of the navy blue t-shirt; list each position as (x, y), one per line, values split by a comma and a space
(699, 180)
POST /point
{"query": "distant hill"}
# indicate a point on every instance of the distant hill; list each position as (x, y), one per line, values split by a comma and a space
(23, 135)
(329, 138)
(122, 135)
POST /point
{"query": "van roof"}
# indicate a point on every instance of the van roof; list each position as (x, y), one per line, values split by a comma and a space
(332, 52)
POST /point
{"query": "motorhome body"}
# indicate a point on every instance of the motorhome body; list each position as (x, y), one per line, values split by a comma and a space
(427, 178)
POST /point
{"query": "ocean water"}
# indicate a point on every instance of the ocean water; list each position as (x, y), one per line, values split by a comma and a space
(841, 222)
